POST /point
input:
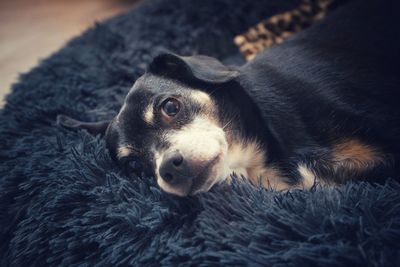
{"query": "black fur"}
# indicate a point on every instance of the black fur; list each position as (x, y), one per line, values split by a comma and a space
(339, 79)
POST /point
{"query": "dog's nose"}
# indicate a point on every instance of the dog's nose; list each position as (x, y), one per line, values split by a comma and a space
(174, 170)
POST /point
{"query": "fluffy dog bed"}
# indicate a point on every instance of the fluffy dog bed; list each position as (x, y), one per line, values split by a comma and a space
(64, 202)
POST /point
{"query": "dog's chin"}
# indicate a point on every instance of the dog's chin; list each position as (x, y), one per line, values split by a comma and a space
(215, 175)
(181, 191)
(208, 184)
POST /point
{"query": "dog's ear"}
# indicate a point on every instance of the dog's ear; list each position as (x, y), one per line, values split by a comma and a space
(94, 128)
(202, 68)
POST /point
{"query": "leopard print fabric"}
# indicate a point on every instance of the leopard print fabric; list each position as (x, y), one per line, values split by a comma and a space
(276, 29)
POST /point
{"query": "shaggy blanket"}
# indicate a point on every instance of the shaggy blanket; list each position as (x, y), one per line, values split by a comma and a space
(64, 202)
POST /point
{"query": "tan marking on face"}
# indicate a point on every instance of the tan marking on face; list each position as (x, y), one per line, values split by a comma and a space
(148, 114)
(201, 97)
(124, 151)
(354, 155)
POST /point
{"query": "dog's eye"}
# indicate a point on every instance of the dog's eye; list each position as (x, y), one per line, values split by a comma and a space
(170, 107)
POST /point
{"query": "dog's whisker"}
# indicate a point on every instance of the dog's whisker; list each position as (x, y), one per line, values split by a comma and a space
(227, 124)
(232, 131)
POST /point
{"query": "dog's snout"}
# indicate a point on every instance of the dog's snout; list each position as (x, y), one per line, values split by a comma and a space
(174, 169)
(177, 159)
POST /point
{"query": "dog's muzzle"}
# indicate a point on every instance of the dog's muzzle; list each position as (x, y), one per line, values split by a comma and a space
(184, 174)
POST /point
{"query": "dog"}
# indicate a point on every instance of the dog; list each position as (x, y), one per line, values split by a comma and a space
(323, 107)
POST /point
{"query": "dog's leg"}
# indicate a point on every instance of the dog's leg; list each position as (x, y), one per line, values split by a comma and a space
(347, 160)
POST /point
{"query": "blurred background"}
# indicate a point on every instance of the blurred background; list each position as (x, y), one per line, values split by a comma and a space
(30, 30)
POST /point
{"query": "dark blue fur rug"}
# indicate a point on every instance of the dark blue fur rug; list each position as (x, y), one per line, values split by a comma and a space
(64, 203)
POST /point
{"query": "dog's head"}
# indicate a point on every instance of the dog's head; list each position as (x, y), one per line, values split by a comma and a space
(186, 121)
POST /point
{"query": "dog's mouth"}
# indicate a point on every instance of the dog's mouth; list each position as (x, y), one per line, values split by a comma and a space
(206, 177)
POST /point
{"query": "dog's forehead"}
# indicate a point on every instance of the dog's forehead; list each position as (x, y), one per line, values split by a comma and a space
(158, 85)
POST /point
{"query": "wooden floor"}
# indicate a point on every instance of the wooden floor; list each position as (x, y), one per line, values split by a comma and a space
(32, 30)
